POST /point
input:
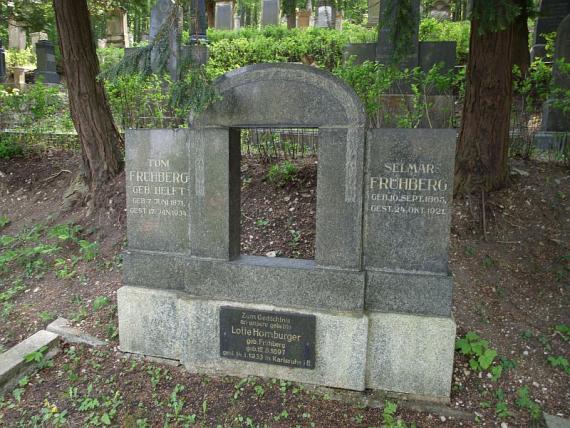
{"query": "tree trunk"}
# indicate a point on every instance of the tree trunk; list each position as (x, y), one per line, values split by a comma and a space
(482, 150)
(521, 56)
(98, 136)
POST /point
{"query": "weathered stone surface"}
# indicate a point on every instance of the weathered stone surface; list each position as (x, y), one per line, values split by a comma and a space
(224, 17)
(283, 282)
(341, 136)
(373, 12)
(45, 52)
(16, 35)
(552, 421)
(410, 354)
(324, 17)
(422, 294)
(12, 363)
(167, 324)
(550, 15)
(159, 15)
(63, 328)
(359, 52)
(215, 197)
(339, 214)
(385, 47)
(408, 199)
(158, 185)
(117, 29)
(149, 322)
(36, 37)
(243, 106)
(432, 53)
(270, 12)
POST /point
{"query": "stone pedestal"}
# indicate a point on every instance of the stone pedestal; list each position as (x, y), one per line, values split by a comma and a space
(46, 62)
(224, 15)
(19, 77)
(270, 13)
(118, 30)
(303, 19)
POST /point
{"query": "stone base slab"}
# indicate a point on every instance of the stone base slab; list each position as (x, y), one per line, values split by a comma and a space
(394, 352)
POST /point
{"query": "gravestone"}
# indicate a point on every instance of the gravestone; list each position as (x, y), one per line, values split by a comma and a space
(118, 29)
(303, 18)
(36, 37)
(373, 12)
(224, 18)
(198, 21)
(441, 9)
(46, 64)
(2, 63)
(163, 11)
(324, 17)
(550, 15)
(270, 13)
(385, 47)
(373, 310)
(555, 128)
(16, 36)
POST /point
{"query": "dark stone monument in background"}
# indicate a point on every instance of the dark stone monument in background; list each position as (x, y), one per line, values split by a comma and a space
(424, 54)
(2, 63)
(555, 130)
(45, 53)
(224, 18)
(270, 12)
(198, 21)
(551, 14)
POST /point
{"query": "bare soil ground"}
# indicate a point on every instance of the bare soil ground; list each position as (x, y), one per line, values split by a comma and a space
(512, 289)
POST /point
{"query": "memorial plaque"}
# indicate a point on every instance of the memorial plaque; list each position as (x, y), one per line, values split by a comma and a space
(280, 338)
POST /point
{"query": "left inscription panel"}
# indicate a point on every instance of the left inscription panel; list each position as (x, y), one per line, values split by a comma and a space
(158, 185)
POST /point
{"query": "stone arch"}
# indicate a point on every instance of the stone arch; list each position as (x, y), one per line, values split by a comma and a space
(283, 95)
(295, 95)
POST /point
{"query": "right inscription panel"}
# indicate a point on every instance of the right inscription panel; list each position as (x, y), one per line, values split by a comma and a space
(408, 198)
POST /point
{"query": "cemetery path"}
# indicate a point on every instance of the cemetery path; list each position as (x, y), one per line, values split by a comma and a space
(512, 289)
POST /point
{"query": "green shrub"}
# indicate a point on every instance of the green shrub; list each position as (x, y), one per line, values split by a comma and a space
(108, 57)
(282, 173)
(20, 58)
(10, 146)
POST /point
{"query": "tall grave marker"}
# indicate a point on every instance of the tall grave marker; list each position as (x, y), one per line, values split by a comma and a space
(373, 310)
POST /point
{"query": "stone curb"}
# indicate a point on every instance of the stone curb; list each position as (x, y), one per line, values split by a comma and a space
(12, 363)
(62, 327)
(552, 421)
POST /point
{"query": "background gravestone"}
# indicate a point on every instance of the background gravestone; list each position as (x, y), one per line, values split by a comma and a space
(45, 53)
(324, 17)
(555, 119)
(36, 37)
(270, 12)
(118, 29)
(550, 15)
(385, 47)
(373, 12)
(224, 15)
(16, 36)
(162, 11)
(2, 63)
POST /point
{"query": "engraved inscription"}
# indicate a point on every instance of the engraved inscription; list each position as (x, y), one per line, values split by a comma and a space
(403, 188)
(157, 190)
(278, 338)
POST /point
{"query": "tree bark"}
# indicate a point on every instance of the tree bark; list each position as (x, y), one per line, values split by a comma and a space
(482, 150)
(98, 136)
(521, 54)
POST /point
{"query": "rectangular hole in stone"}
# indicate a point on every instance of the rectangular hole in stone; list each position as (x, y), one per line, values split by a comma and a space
(278, 192)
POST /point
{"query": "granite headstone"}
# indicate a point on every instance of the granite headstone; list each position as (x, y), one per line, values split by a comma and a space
(118, 29)
(550, 15)
(224, 18)
(270, 12)
(161, 13)
(324, 17)
(46, 64)
(2, 63)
